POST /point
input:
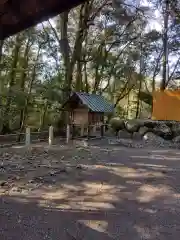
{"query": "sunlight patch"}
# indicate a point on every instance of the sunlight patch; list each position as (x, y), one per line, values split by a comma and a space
(148, 193)
(100, 226)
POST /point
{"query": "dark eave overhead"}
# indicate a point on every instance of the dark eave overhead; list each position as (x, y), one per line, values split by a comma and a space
(17, 15)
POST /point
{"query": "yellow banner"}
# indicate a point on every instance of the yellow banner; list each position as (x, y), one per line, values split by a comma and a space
(166, 105)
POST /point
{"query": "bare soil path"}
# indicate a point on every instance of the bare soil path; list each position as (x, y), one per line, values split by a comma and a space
(68, 193)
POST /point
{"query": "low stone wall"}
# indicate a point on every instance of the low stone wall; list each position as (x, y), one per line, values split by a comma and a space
(144, 129)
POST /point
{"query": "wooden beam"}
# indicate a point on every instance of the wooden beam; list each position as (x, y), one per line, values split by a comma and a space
(25, 19)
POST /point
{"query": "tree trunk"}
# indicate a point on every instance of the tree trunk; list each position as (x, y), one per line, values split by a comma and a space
(79, 85)
(140, 80)
(43, 116)
(12, 75)
(2, 82)
(81, 35)
(23, 77)
(155, 73)
(1, 50)
(128, 103)
(33, 77)
(86, 78)
(165, 47)
(66, 59)
(138, 99)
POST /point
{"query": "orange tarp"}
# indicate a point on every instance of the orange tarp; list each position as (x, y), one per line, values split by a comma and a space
(166, 105)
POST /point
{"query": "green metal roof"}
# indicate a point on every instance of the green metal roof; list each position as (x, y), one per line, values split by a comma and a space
(96, 103)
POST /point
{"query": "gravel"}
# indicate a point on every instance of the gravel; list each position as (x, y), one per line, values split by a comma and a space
(149, 141)
(88, 193)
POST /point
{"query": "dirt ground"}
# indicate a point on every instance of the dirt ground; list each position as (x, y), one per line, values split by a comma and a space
(85, 193)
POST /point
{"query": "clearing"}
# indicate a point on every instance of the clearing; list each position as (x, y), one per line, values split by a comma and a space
(78, 193)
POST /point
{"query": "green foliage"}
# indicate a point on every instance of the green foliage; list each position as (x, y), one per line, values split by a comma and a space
(105, 47)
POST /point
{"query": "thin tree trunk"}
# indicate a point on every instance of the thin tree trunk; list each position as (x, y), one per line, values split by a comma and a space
(86, 78)
(140, 82)
(173, 72)
(123, 94)
(2, 82)
(79, 85)
(165, 48)
(138, 101)
(1, 51)
(43, 116)
(127, 112)
(155, 72)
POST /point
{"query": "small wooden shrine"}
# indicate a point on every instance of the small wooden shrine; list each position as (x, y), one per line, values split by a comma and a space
(87, 111)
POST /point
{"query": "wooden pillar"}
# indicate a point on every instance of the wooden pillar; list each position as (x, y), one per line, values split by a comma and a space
(89, 131)
(88, 127)
(67, 133)
(28, 137)
(73, 131)
(94, 128)
(51, 135)
(102, 126)
(82, 130)
(73, 125)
